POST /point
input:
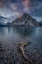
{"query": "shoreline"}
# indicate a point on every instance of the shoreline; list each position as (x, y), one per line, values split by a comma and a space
(14, 56)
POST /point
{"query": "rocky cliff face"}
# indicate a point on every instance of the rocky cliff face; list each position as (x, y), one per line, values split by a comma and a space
(25, 20)
(40, 23)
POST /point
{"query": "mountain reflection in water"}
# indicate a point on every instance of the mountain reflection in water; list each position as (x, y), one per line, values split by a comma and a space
(10, 35)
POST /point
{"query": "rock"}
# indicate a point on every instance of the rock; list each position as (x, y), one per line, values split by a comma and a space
(25, 20)
(1, 50)
(0, 47)
(0, 44)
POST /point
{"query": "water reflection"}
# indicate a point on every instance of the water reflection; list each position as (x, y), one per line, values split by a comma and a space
(25, 31)
(9, 35)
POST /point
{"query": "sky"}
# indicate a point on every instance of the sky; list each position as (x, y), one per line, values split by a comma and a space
(11, 9)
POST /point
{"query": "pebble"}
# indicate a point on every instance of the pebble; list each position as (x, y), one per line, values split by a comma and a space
(16, 57)
(0, 44)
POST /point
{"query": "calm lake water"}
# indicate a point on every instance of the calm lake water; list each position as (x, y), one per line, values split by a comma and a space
(10, 35)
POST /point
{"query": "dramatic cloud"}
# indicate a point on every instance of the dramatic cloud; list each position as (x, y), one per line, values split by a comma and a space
(25, 3)
(13, 8)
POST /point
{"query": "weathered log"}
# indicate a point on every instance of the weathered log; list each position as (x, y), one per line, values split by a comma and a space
(21, 47)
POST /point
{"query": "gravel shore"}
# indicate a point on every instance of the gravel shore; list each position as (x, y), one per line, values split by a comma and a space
(14, 56)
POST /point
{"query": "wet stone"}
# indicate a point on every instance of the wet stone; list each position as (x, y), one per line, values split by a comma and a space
(1, 49)
(14, 56)
(0, 44)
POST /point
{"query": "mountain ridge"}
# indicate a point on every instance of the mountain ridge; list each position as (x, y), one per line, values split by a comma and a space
(25, 20)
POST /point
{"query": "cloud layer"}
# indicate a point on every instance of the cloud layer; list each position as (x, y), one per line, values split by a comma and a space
(14, 8)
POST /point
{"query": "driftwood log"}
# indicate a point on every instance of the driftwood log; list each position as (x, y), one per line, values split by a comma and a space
(22, 49)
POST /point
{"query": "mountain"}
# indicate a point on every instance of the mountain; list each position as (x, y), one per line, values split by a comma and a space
(40, 23)
(25, 20)
(4, 21)
(4, 24)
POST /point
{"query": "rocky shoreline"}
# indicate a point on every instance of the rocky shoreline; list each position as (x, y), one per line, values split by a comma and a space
(10, 58)
(17, 55)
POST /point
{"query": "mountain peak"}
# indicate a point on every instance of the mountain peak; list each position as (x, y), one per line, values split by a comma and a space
(25, 20)
(25, 15)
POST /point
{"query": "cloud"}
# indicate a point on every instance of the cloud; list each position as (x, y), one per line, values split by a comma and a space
(36, 9)
(1, 4)
(17, 7)
(25, 3)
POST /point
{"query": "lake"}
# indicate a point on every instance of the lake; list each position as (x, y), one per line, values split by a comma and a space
(11, 35)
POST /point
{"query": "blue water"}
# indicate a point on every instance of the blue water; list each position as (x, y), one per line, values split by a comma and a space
(10, 35)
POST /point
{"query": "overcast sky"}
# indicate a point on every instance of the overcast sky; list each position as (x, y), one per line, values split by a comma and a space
(11, 9)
